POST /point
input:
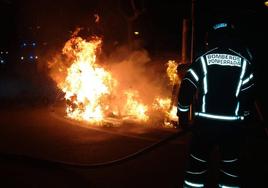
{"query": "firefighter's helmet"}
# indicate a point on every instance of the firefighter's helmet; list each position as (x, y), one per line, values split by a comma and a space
(220, 31)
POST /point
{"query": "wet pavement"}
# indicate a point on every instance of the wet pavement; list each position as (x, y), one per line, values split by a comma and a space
(44, 133)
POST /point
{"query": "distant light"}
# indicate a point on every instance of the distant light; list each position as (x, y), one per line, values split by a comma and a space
(2, 52)
(36, 57)
(6, 52)
(31, 57)
(34, 44)
(2, 61)
(24, 44)
(266, 3)
(136, 33)
(22, 58)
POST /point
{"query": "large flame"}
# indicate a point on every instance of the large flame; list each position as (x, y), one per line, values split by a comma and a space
(91, 91)
(87, 84)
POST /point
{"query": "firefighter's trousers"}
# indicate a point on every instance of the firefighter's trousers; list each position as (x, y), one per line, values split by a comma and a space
(208, 135)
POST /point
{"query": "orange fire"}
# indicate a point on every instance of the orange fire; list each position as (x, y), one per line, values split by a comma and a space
(172, 72)
(86, 84)
(92, 93)
(133, 108)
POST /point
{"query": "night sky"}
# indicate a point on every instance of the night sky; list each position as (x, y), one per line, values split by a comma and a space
(160, 23)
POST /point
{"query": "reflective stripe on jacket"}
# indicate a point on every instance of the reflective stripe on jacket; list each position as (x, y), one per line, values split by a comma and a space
(219, 79)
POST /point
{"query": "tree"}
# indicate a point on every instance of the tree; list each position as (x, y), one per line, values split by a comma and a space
(132, 10)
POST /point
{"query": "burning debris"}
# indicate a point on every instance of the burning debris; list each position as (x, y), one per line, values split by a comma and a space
(96, 93)
(172, 72)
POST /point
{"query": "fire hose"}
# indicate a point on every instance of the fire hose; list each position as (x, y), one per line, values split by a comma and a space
(35, 160)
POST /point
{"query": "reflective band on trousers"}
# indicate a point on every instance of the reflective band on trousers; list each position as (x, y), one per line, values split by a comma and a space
(193, 184)
(226, 186)
(183, 109)
(219, 117)
(196, 158)
(228, 174)
(190, 172)
(230, 160)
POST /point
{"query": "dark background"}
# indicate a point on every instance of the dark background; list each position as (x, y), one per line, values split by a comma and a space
(159, 23)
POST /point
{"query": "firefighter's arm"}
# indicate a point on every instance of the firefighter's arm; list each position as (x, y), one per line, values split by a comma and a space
(186, 93)
(247, 94)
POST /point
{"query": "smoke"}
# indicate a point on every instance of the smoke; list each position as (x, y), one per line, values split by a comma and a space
(135, 70)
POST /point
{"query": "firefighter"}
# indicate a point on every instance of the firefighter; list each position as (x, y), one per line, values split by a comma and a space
(217, 90)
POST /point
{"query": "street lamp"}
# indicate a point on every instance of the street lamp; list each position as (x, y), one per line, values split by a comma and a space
(266, 3)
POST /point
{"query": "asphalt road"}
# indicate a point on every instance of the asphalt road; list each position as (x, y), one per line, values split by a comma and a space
(44, 133)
